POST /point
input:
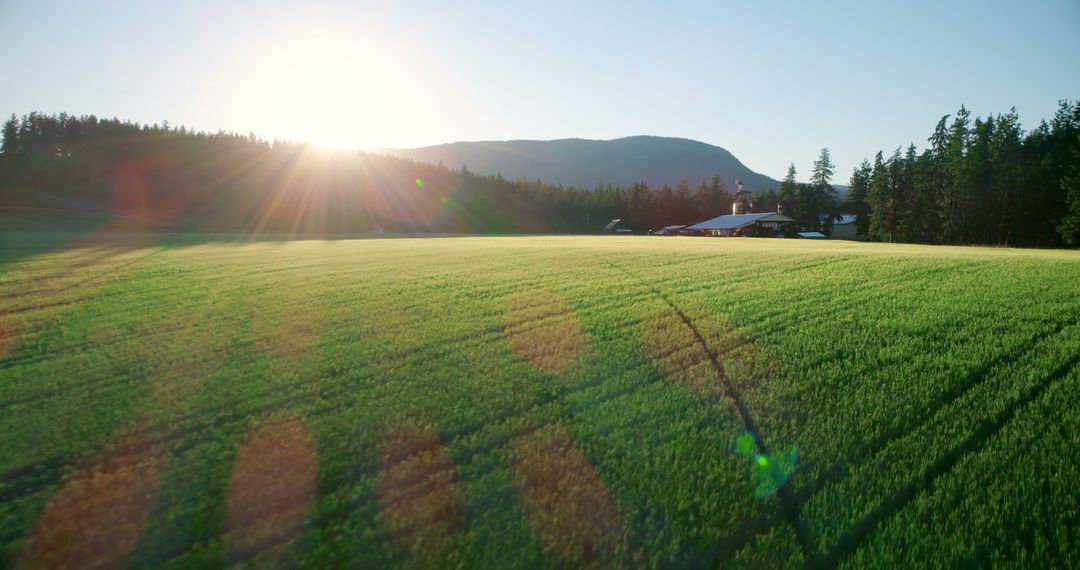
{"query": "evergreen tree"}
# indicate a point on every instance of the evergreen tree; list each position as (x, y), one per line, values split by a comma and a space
(10, 145)
(1069, 226)
(682, 207)
(765, 200)
(956, 198)
(823, 169)
(981, 215)
(788, 198)
(713, 200)
(824, 195)
(922, 207)
(807, 212)
(1006, 173)
(882, 214)
(856, 202)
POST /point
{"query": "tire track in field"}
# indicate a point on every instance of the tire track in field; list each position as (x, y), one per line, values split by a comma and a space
(956, 391)
(865, 528)
(781, 314)
(800, 496)
(51, 282)
(16, 322)
(101, 510)
(55, 267)
(286, 352)
(343, 387)
(803, 494)
(111, 272)
(274, 478)
(542, 329)
(492, 331)
(787, 505)
(420, 500)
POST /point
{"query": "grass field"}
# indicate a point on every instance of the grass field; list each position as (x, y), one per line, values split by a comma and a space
(530, 401)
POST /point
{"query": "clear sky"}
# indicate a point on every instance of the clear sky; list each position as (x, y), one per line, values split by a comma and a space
(771, 81)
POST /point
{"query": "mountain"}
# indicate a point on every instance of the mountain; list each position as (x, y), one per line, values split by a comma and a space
(587, 163)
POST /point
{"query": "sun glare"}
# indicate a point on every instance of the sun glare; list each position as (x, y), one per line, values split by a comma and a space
(337, 91)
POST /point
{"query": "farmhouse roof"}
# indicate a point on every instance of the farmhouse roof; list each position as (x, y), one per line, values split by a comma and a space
(738, 221)
(839, 220)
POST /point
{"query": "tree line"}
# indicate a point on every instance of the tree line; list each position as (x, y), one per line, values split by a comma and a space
(981, 181)
(231, 182)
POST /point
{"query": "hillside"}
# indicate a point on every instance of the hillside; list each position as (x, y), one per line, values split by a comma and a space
(587, 163)
(226, 182)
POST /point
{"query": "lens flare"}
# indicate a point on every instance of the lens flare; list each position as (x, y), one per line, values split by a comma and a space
(745, 445)
(419, 183)
(773, 470)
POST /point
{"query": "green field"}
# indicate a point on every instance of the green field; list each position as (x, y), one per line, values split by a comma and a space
(540, 401)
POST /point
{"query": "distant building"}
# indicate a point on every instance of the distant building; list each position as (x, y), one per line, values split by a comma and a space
(765, 224)
(844, 227)
(812, 235)
(612, 226)
(669, 230)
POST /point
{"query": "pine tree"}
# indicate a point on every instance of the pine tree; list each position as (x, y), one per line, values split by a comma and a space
(765, 200)
(1007, 172)
(1069, 226)
(856, 203)
(683, 204)
(10, 145)
(882, 215)
(788, 200)
(981, 215)
(823, 169)
(824, 195)
(956, 196)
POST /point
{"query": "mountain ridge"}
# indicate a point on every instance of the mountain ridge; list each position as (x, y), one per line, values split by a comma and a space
(590, 163)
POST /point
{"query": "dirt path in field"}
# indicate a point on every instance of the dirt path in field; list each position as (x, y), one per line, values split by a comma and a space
(66, 283)
(702, 369)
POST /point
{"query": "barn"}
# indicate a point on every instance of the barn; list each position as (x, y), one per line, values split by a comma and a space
(764, 224)
(844, 227)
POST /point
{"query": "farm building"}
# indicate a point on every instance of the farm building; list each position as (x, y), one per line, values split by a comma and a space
(669, 230)
(764, 224)
(844, 227)
(613, 228)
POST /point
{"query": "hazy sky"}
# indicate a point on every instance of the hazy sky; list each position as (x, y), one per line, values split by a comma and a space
(772, 82)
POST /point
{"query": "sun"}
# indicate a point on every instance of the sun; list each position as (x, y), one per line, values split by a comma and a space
(333, 90)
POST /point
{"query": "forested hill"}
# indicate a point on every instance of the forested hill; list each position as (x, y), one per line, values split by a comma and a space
(226, 182)
(588, 163)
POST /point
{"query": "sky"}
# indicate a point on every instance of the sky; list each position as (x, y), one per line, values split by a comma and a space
(773, 82)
